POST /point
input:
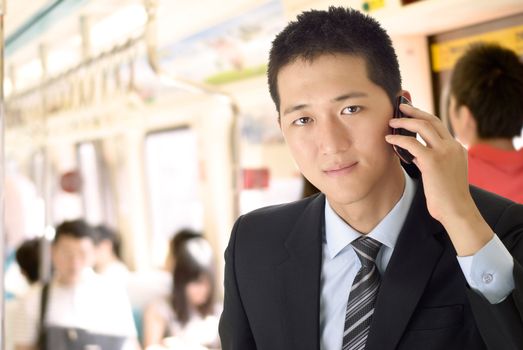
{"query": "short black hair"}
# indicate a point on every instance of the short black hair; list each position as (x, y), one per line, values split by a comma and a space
(488, 79)
(336, 31)
(28, 258)
(76, 228)
(105, 233)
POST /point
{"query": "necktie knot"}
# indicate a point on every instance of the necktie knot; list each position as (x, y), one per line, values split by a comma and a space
(367, 249)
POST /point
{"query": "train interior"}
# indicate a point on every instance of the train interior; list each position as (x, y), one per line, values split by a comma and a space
(153, 116)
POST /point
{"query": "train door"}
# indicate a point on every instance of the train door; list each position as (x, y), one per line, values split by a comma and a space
(172, 173)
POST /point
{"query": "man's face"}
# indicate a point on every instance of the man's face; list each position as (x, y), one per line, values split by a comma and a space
(334, 120)
(103, 253)
(71, 256)
(197, 292)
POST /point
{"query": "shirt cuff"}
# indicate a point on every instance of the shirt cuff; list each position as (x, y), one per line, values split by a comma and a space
(490, 271)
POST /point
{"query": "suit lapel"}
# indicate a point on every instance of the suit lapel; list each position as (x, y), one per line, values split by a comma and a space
(416, 253)
(299, 278)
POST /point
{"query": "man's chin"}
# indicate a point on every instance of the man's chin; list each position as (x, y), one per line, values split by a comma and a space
(69, 280)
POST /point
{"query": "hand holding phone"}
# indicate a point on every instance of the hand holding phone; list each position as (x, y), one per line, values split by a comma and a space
(402, 153)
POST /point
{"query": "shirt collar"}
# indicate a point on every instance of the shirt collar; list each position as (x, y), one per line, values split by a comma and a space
(338, 234)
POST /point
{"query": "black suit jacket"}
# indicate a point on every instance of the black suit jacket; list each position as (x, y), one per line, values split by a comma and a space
(272, 283)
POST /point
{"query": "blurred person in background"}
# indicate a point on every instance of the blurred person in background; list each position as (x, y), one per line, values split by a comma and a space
(77, 307)
(188, 318)
(486, 113)
(23, 220)
(145, 287)
(27, 256)
(108, 261)
(28, 259)
(177, 241)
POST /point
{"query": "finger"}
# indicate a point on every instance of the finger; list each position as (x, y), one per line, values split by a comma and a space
(417, 113)
(409, 143)
(424, 128)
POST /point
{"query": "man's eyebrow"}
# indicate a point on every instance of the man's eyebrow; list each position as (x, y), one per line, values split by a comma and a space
(336, 99)
(349, 95)
(294, 108)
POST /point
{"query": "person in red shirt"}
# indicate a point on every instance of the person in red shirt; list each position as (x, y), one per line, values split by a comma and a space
(486, 113)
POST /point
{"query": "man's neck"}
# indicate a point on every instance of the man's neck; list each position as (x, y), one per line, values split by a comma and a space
(65, 282)
(367, 213)
(109, 261)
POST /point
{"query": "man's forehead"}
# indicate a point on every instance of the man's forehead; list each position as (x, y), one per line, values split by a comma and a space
(70, 239)
(309, 59)
(335, 63)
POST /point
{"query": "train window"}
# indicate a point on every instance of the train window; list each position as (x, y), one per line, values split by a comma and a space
(268, 173)
(172, 179)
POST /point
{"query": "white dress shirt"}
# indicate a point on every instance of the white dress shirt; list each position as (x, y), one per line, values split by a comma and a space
(94, 304)
(489, 271)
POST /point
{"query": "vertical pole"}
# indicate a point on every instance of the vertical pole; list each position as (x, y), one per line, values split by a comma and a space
(45, 246)
(2, 169)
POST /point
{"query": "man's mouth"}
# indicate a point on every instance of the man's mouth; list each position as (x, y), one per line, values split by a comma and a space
(340, 169)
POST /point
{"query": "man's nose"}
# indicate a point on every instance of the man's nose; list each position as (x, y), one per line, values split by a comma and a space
(77, 262)
(333, 136)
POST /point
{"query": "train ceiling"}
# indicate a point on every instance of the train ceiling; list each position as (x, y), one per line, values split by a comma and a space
(49, 32)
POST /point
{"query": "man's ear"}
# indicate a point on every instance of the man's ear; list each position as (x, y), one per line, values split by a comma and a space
(468, 122)
(406, 94)
(464, 125)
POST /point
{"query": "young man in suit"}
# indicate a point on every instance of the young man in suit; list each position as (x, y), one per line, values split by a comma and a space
(381, 259)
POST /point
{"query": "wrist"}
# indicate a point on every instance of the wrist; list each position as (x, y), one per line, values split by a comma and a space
(468, 232)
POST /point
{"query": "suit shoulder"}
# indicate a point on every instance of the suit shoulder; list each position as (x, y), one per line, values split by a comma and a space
(258, 237)
(489, 202)
(271, 220)
(281, 210)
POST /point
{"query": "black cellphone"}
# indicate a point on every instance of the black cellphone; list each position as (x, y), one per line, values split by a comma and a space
(404, 155)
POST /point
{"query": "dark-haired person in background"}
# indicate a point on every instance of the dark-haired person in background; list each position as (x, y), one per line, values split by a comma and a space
(108, 261)
(154, 287)
(77, 298)
(188, 318)
(176, 243)
(486, 113)
(381, 259)
(27, 256)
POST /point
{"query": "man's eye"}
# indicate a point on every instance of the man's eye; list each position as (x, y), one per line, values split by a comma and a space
(302, 121)
(351, 110)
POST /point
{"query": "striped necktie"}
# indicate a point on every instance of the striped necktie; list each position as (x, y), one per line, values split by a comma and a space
(362, 297)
